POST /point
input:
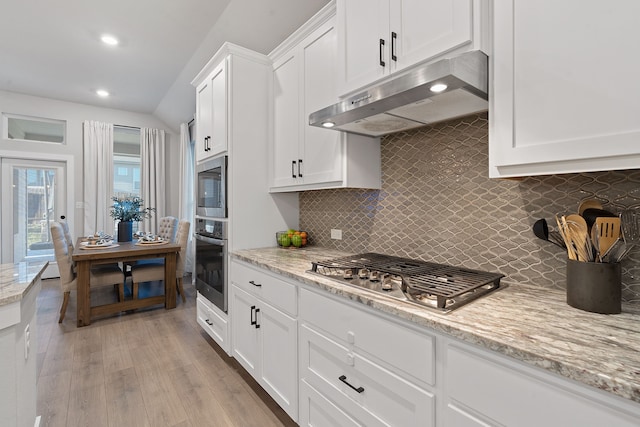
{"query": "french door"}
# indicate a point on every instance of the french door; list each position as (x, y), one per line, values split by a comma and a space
(33, 195)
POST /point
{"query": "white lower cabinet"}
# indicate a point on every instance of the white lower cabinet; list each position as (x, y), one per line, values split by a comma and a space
(265, 338)
(332, 362)
(213, 321)
(375, 393)
(487, 389)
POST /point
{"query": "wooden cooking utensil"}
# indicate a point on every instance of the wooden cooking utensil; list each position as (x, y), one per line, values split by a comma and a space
(589, 204)
(609, 229)
(580, 236)
(563, 229)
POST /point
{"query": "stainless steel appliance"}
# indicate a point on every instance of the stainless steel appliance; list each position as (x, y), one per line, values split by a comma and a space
(211, 261)
(211, 189)
(430, 93)
(427, 284)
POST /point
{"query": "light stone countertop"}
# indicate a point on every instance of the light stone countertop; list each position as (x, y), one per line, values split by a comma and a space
(17, 279)
(519, 321)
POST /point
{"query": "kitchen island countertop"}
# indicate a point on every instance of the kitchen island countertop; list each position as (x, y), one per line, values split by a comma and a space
(17, 279)
(519, 321)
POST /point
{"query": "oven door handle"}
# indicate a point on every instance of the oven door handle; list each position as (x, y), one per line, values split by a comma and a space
(212, 240)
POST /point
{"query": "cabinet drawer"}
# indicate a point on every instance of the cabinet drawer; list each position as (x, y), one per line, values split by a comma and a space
(318, 411)
(213, 324)
(405, 351)
(505, 395)
(276, 292)
(371, 393)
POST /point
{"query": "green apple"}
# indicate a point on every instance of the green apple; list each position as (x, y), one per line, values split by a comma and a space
(285, 241)
(296, 240)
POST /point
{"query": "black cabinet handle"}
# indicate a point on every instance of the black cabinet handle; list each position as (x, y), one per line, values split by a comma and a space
(253, 309)
(382, 63)
(207, 147)
(255, 284)
(208, 322)
(257, 324)
(293, 166)
(343, 378)
(299, 167)
(394, 36)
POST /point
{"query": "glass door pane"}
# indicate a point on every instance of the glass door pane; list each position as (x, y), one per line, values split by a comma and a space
(33, 196)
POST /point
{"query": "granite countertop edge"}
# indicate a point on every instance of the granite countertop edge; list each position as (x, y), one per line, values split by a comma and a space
(16, 280)
(539, 337)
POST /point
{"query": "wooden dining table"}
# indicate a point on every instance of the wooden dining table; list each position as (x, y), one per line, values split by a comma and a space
(124, 252)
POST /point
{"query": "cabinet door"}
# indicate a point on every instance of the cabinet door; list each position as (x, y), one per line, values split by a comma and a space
(218, 143)
(564, 87)
(286, 119)
(244, 332)
(424, 29)
(279, 346)
(361, 26)
(203, 120)
(322, 151)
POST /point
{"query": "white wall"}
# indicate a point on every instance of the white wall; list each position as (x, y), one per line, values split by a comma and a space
(74, 114)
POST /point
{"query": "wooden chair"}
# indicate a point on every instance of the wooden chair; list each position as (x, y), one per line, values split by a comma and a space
(155, 271)
(106, 275)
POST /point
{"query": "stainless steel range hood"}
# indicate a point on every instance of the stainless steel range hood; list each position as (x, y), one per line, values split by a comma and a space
(413, 99)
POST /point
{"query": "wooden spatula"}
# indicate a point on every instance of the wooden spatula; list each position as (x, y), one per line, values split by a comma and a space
(609, 229)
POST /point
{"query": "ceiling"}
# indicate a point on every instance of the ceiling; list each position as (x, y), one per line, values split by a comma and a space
(53, 49)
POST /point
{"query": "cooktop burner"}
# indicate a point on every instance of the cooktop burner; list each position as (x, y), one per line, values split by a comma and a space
(438, 286)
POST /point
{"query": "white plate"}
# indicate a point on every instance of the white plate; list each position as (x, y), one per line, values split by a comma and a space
(153, 242)
(109, 246)
(98, 245)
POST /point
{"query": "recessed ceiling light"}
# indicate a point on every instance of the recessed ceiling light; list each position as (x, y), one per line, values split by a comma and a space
(110, 40)
(102, 93)
(438, 87)
(328, 124)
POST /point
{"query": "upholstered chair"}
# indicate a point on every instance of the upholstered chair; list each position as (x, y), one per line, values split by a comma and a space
(67, 234)
(107, 275)
(151, 272)
(167, 228)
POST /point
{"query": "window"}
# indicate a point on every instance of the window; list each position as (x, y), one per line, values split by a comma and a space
(126, 161)
(25, 128)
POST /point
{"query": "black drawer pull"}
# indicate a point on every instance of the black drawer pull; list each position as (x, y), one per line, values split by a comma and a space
(253, 308)
(208, 322)
(293, 165)
(257, 324)
(255, 284)
(343, 378)
(382, 63)
(299, 166)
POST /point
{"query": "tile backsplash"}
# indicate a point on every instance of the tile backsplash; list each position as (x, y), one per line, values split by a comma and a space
(438, 204)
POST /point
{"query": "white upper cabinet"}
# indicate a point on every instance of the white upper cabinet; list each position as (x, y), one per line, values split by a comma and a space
(211, 114)
(304, 81)
(565, 87)
(379, 37)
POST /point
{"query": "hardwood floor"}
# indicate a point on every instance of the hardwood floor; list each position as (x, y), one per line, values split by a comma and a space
(155, 367)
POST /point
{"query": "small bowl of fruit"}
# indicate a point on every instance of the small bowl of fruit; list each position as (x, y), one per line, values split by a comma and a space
(292, 238)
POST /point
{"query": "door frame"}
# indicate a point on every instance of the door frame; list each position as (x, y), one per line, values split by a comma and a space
(69, 181)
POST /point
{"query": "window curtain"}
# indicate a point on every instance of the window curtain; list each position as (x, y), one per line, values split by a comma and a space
(98, 176)
(152, 175)
(187, 178)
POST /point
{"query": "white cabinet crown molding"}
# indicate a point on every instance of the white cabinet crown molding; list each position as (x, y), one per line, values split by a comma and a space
(322, 16)
(225, 50)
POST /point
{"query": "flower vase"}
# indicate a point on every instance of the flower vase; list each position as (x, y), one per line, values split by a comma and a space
(125, 231)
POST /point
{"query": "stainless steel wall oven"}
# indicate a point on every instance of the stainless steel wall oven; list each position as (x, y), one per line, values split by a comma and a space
(211, 261)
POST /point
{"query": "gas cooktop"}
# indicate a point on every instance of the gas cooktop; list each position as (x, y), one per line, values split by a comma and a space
(427, 284)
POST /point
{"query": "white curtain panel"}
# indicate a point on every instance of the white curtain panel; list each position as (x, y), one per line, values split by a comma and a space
(152, 173)
(98, 176)
(187, 178)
